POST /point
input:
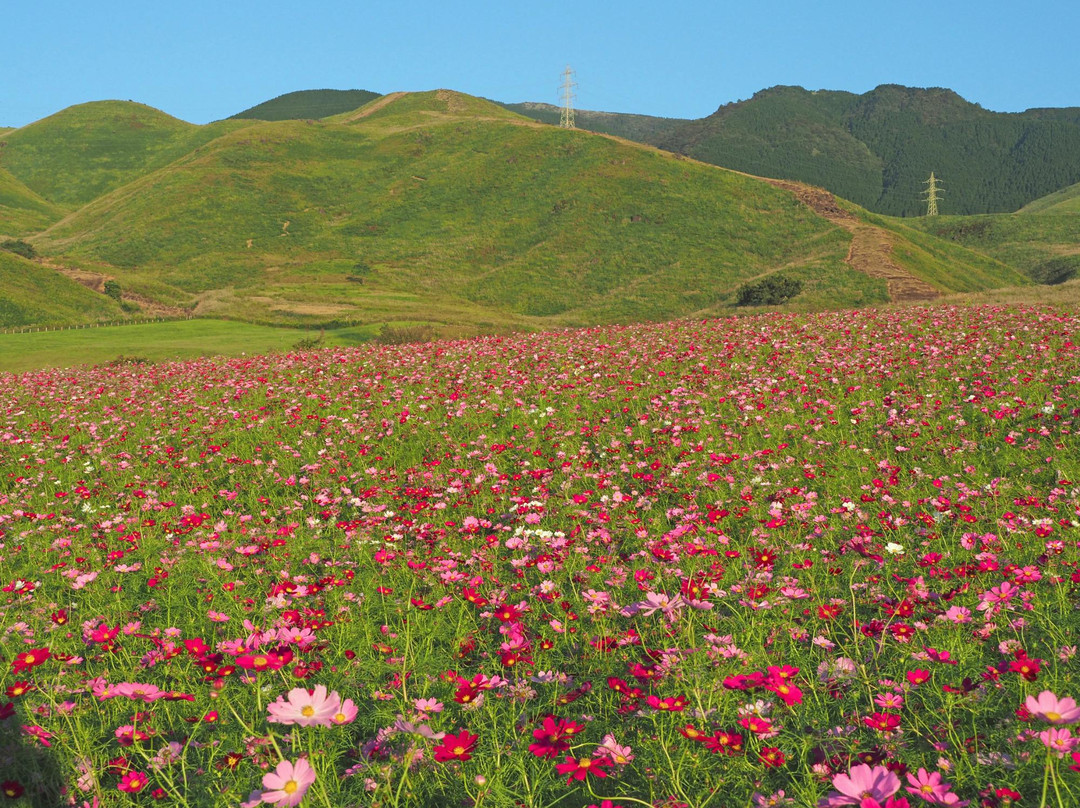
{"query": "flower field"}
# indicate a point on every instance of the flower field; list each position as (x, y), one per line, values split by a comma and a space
(773, 561)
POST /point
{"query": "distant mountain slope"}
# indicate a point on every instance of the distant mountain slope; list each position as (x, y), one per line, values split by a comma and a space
(642, 128)
(31, 294)
(308, 105)
(21, 210)
(87, 150)
(445, 208)
(876, 149)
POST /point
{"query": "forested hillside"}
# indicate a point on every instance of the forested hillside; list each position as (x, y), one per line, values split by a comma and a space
(876, 149)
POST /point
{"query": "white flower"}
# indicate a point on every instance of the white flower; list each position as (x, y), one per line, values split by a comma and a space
(892, 548)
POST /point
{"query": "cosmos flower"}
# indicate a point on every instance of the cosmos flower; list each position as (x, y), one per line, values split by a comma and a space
(306, 708)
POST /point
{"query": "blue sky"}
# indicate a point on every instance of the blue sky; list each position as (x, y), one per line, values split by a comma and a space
(202, 61)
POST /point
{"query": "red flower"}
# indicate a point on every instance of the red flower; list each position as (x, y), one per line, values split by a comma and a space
(728, 743)
(264, 662)
(672, 704)
(133, 782)
(917, 677)
(1028, 668)
(772, 757)
(580, 768)
(553, 737)
(882, 722)
(12, 789)
(17, 689)
(30, 659)
(456, 747)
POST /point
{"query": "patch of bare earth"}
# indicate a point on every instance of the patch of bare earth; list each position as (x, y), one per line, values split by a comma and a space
(96, 281)
(871, 247)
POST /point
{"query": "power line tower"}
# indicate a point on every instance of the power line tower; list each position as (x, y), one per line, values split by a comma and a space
(931, 195)
(566, 121)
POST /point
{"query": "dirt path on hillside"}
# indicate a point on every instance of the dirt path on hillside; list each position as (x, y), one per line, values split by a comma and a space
(375, 106)
(871, 247)
(96, 281)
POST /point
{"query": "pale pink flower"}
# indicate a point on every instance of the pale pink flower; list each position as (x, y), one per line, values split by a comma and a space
(1053, 710)
(305, 709)
(345, 714)
(139, 691)
(1059, 741)
(288, 783)
(861, 782)
(929, 786)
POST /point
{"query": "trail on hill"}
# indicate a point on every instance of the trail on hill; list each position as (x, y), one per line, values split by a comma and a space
(375, 106)
(96, 282)
(870, 246)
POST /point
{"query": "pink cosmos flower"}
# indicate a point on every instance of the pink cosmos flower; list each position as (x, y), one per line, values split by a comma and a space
(929, 786)
(861, 783)
(1053, 710)
(314, 708)
(288, 783)
(345, 714)
(1059, 741)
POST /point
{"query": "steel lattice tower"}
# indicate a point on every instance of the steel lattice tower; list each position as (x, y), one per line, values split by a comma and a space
(931, 194)
(566, 121)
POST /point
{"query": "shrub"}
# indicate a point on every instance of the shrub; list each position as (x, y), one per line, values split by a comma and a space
(19, 247)
(309, 343)
(113, 290)
(770, 291)
(403, 335)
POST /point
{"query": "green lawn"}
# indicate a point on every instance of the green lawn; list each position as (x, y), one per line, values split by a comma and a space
(182, 339)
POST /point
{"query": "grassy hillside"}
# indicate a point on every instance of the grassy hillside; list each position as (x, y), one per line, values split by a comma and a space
(446, 208)
(1045, 246)
(85, 151)
(878, 148)
(1067, 200)
(642, 128)
(31, 294)
(21, 210)
(307, 104)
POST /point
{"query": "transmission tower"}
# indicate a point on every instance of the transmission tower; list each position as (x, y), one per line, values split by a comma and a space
(566, 121)
(931, 194)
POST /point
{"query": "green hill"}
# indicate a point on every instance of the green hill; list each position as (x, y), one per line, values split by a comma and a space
(21, 210)
(1067, 200)
(443, 208)
(85, 151)
(31, 294)
(876, 149)
(642, 128)
(307, 105)
(1043, 245)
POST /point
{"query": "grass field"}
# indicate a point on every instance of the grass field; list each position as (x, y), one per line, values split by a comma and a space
(183, 339)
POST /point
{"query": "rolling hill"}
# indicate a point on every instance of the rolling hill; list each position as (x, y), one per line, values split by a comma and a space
(307, 104)
(31, 294)
(87, 150)
(440, 207)
(21, 210)
(1065, 201)
(875, 149)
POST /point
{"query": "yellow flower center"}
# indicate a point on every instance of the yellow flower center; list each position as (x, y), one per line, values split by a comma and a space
(259, 661)
(459, 750)
(339, 718)
(290, 787)
(1053, 716)
(308, 711)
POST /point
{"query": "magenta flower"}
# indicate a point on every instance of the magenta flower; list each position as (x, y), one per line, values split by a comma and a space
(1053, 710)
(306, 709)
(860, 783)
(288, 783)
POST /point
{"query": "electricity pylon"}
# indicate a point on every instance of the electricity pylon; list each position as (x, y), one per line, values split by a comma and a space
(931, 194)
(566, 121)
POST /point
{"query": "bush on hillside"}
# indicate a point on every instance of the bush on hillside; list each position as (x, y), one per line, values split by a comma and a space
(113, 290)
(770, 291)
(19, 247)
(404, 335)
